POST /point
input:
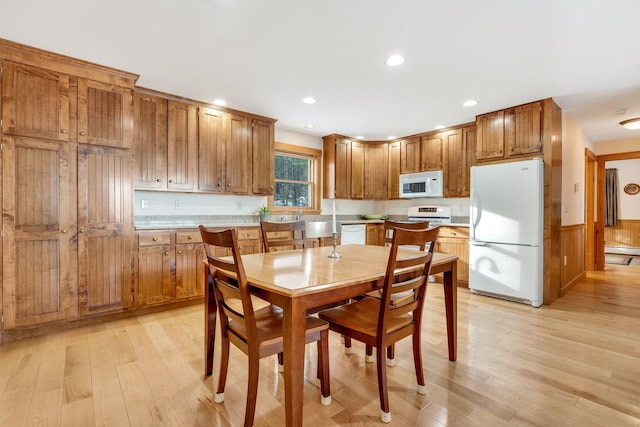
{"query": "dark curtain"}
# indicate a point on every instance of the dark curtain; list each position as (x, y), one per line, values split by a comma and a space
(611, 197)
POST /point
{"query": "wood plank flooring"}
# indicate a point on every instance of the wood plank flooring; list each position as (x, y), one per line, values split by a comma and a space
(574, 363)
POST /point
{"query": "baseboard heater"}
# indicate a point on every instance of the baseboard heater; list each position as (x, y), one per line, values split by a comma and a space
(622, 250)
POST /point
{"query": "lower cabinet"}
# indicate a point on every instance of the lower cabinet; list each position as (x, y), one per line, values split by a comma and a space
(170, 263)
(455, 241)
(375, 234)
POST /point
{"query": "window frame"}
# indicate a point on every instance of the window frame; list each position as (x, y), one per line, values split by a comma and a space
(315, 156)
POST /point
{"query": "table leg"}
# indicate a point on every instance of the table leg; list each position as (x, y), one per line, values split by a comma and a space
(450, 287)
(294, 342)
(210, 313)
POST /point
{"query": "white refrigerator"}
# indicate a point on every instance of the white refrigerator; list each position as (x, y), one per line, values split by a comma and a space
(505, 236)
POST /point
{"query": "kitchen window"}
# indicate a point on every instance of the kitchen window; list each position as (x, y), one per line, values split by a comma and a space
(296, 179)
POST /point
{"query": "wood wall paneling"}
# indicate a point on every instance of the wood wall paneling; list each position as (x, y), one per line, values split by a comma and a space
(573, 255)
(625, 234)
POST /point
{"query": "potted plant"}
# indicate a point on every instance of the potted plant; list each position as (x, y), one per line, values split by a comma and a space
(265, 213)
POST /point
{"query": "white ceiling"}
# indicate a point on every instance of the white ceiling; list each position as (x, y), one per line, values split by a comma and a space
(264, 56)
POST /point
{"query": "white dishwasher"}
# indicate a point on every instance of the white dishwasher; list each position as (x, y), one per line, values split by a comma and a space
(353, 234)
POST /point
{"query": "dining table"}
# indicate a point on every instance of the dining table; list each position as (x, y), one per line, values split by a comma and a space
(302, 280)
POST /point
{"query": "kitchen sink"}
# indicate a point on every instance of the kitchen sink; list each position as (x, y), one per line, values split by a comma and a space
(316, 229)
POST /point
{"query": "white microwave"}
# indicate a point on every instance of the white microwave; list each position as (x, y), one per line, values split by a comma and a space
(421, 184)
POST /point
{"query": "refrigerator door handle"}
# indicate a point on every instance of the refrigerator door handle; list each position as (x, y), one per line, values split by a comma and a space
(475, 243)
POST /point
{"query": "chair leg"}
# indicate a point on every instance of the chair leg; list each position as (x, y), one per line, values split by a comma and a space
(391, 355)
(417, 361)
(323, 367)
(252, 389)
(280, 362)
(224, 367)
(385, 414)
(347, 345)
(368, 353)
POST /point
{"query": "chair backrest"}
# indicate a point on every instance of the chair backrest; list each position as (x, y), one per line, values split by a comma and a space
(389, 225)
(230, 281)
(392, 318)
(295, 238)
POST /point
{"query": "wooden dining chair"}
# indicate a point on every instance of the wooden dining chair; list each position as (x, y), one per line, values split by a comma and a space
(380, 322)
(389, 226)
(257, 333)
(288, 235)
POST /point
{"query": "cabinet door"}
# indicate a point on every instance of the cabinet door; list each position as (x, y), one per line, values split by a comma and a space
(431, 152)
(357, 170)
(38, 263)
(189, 270)
(375, 234)
(459, 151)
(104, 114)
(490, 136)
(154, 275)
(35, 102)
(239, 156)
(150, 141)
(211, 151)
(263, 157)
(522, 131)
(182, 143)
(393, 180)
(343, 168)
(104, 228)
(410, 155)
(376, 157)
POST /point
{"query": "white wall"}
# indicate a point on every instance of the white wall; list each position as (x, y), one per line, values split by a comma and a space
(574, 141)
(628, 172)
(164, 203)
(618, 145)
(295, 138)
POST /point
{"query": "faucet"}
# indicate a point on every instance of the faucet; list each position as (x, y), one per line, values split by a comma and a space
(298, 214)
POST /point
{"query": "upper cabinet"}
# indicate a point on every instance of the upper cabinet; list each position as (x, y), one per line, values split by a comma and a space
(211, 151)
(458, 157)
(508, 133)
(35, 102)
(238, 160)
(376, 171)
(344, 168)
(182, 146)
(262, 145)
(150, 141)
(431, 152)
(410, 155)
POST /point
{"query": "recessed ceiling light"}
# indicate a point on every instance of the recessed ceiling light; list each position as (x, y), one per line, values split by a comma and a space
(438, 127)
(220, 102)
(309, 100)
(391, 137)
(470, 103)
(395, 60)
(310, 126)
(359, 137)
(631, 123)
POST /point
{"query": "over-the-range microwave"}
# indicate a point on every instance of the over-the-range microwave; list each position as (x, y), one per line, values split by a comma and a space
(421, 184)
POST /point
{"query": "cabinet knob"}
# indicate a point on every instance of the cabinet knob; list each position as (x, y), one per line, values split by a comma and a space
(179, 252)
(166, 253)
(81, 230)
(219, 184)
(155, 239)
(64, 230)
(171, 181)
(158, 180)
(189, 237)
(82, 133)
(63, 131)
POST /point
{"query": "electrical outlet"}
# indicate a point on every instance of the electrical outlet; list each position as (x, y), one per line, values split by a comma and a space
(178, 204)
(565, 260)
(239, 205)
(144, 204)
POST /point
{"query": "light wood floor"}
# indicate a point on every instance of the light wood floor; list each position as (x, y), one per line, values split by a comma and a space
(574, 363)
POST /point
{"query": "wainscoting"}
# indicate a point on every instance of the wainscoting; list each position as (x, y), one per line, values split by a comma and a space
(624, 235)
(573, 246)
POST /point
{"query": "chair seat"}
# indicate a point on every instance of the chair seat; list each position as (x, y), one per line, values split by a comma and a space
(269, 325)
(362, 316)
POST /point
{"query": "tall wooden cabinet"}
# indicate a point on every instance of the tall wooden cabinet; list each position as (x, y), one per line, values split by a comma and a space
(376, 171)
(211, 151)
(150, 141)
(262, 145)
(458, 157)
(182, 146)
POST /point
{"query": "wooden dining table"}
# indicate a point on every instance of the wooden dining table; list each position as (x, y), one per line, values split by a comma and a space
(304, 279)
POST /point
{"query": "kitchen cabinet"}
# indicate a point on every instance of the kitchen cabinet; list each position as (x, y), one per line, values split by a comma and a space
(431, 152)
(189, 274)
(105, 228)
(376, 171)
(182, 146)
(238, 154)
(375, 234)
(263, 152)
(104, 114)
(458, 157)
(508, 133)
(410, 155)
(150, 141)
(454, 240)
(393, 180)
(357, 170)
(39, 254)
(154, 268)
(211, 151)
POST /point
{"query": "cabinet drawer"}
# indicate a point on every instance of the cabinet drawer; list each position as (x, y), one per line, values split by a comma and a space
(152, 239)
(183, 237)
(254, 233)
(456, 232)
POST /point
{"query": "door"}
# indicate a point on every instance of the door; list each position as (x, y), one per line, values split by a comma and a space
(512, 271)
(35, 102)
(38, 263)
(154, 275)
(104, 229)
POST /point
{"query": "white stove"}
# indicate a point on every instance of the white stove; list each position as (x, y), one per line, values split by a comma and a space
(436, 215)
